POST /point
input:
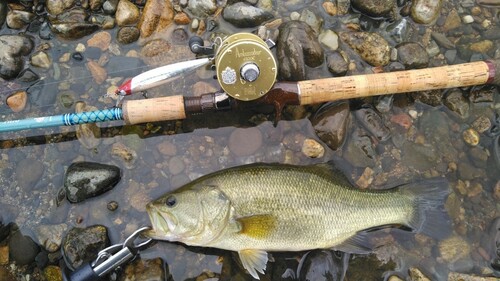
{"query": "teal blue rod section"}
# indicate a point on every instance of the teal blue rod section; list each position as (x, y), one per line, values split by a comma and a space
(69, 119)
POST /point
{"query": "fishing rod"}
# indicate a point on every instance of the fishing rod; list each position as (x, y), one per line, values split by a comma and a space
(246, 71)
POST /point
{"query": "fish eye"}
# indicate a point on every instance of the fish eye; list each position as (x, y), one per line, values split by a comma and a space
(171, 201)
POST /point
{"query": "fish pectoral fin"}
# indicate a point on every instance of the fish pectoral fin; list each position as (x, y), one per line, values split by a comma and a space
(257, 226)
(357, 244)
(254, 261)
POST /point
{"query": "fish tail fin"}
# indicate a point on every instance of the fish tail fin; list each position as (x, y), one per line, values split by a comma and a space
(429, 215)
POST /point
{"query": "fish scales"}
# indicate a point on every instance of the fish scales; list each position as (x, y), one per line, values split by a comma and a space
(307, 205)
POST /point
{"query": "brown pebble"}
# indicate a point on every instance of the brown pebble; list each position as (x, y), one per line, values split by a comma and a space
(98, 72)
(496, 191)
(245, 141)
(17, 101)
(4, 254)
(330, 8)
(471, 137)
(112, 205)
(182, 19)
(100, 40)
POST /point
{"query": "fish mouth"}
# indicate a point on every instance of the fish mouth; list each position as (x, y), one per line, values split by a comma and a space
(162, 224)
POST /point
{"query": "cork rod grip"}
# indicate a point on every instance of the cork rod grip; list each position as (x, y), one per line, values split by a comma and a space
(154, 109)
(339, 88)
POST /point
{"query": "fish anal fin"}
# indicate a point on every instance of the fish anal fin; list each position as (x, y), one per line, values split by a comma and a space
(257, 226)
(359, 243)
(254, 261)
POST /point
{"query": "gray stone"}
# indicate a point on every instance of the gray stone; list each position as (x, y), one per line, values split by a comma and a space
(312, 18)
(87, 179)
(28, 172)
(50, 236)
(442, 40)
(298, 46)
(412, 55)
(41, 59)
(12, 48)
(337, 64)
(244, 15)
(456, 102)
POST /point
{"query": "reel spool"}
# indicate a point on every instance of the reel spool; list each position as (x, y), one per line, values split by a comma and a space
(246, 68)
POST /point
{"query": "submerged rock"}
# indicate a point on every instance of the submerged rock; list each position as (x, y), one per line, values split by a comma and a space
(457, 103)
(3, 12)
(244, 15)
(22, 248)
(145, 270)
(84, 180)
(373, 123)
(12, 50)
(81, 244)
(330, 123)
(374, 8)
(412, 55)
(298, 46)
(372, 47)
(156, 16)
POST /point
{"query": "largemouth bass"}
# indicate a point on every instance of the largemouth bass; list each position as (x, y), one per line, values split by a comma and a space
(257, 208)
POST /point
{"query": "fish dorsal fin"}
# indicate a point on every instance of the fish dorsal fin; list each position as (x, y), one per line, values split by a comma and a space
(357, 244)
(257, 226)
(253, 261)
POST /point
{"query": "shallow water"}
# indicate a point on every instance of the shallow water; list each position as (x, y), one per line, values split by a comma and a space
(433, 146)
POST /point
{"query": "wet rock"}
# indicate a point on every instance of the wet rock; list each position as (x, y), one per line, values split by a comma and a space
(145, 270)
(245, 141)
(432, 98)
(482, 47)
(128, 34)
(297, 47)
(471, 137)
(417, 275)
(112, 206)
(313, 149)
(73, 24)
(244, 15)
(56, 7)
(28, 75)
(425, 11)
(52, 273)
(17, 101)
(126, 13)
(456, 102)
(5, 274)
(453, 249)
(374, 8)
(4, 256)
(330, 39)
(3, 12)
(330, 123)
(28, 172)
(442, 40)
(12, 49)
(100, 40)
(98, 72)
(176, 165)
(84, 180)
(372, 47)
(154, 48)
(412, 55)
(310, 16)
(359, 151)
(337, 64)
(156, 16)
(95, 4)
(202, 8)
(51, 236)
(373, 123)
(368, 268)
(483, 94)
(17, 19)
(22, 248)
(80, 245)
(41, 59)
(322, 265)
(124, 153)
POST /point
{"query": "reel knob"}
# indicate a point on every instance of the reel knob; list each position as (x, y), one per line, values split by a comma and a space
(246, 68)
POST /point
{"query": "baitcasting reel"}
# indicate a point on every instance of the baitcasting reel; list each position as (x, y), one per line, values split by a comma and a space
(245, 67)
